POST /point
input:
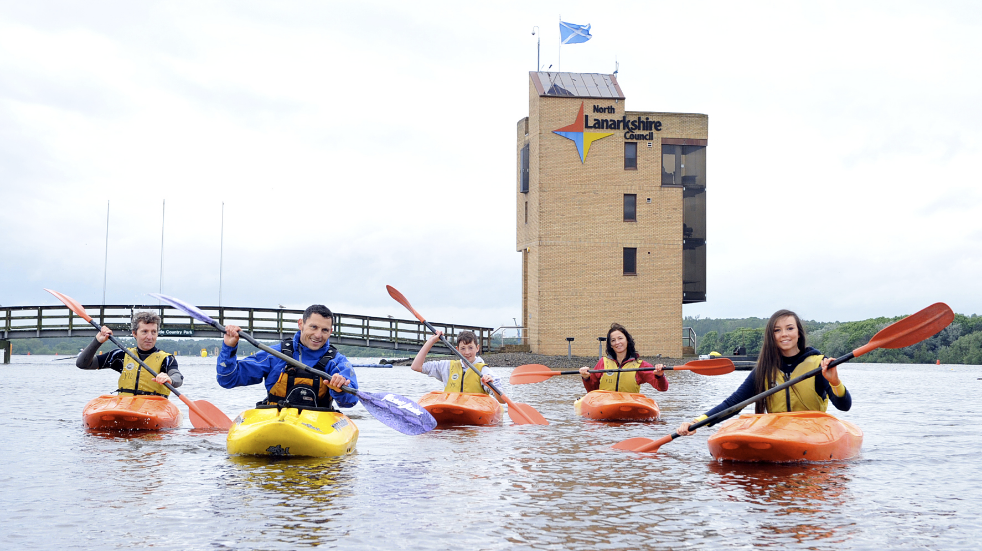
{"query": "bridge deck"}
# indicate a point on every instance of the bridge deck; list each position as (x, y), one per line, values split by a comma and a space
(28, 322)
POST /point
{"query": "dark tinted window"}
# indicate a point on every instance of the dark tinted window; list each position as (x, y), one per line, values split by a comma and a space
(630, 155)
(630, 261)
(670, 161)
(630, 207)
(683, 165)
(524, 169)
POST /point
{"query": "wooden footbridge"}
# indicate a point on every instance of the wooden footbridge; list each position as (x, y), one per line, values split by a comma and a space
(404, 336)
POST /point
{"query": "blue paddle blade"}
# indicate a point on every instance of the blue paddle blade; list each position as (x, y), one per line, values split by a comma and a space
(397, 412)
(185, 307)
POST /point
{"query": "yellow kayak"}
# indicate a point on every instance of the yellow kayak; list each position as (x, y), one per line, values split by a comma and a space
(291, 432)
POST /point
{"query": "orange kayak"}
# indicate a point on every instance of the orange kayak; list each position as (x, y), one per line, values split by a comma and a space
(461, 408)
(607, 405)
(131, 413)
(786, 437)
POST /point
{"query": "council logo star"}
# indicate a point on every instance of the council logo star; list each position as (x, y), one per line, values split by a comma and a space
(580, 138)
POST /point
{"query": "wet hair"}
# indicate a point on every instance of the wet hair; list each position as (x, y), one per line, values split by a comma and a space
(631, 351)
(144, 317)
(320, 310)
(770, 358)
(467, 337)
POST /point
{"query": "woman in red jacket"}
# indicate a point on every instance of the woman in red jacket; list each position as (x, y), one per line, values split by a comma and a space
(621, 354)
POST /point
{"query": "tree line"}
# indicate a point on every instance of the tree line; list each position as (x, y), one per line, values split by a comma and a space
(959, 343)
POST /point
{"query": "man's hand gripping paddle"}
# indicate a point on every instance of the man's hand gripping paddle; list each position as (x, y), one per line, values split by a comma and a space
(394, 411)
(204, 415)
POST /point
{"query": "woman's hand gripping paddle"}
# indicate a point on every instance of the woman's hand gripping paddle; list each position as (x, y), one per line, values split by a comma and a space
(204, 415)
(521, 414)
(394, 411)
(536, 373)
(906, 332)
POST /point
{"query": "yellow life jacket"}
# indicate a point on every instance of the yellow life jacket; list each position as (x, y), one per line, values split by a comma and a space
(801, 395)
(614, 381)
(134, 378)
(463, 379)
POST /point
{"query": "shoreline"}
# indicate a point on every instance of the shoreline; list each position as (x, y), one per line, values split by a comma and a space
(515, 359)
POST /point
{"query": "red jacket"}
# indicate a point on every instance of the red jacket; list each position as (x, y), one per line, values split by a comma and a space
(661, 383)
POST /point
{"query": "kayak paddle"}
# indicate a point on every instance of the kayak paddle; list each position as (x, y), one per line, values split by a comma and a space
(536, 373)
(521, 414)
(394, 411)
(906, 332)
(204, 415)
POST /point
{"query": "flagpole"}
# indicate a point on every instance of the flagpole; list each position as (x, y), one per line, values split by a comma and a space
(538, 49)
(105, 264)
(163, 215)
(221, 255)
(560, 61)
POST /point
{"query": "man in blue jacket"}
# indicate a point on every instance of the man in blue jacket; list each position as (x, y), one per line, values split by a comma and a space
(285, 384)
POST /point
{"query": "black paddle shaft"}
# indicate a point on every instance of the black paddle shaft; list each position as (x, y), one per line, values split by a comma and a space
(711, 420)
(292, 361)
(135, 357)
(571, 372)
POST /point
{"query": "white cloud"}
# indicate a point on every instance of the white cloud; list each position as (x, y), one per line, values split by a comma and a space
(372, 144)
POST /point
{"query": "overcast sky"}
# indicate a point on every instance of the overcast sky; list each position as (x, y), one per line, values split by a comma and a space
(360, 144)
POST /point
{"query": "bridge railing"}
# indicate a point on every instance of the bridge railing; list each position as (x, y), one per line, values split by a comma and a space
(23, 322)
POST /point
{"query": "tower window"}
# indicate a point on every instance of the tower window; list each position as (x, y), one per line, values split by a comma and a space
(630, 207)
(523, 178)
(630, 155)
(630, 261)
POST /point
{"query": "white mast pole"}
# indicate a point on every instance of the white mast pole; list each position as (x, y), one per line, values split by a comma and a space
(105, 264)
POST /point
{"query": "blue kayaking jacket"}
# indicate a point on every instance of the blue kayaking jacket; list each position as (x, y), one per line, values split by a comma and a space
(265, 367)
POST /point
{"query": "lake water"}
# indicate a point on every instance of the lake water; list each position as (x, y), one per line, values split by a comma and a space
(916, 485)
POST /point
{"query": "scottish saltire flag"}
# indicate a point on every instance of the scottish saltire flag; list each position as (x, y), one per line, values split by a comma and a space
(572, 33)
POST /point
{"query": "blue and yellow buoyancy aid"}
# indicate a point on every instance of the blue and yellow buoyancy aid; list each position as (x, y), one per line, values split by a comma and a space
(463, 379)
(615, 381)
(133, 379)
(298, 387)
(801, 396)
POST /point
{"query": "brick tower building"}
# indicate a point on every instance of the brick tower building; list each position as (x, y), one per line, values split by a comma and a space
(611, 216)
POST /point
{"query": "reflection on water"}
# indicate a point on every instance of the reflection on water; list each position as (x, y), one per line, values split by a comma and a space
(803, 487)
(500, 487)
(304, 482)
(298, 497)
(801, 491)
(126, 434)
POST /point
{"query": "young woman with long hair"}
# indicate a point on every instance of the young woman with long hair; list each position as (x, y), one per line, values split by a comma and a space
(784, 356)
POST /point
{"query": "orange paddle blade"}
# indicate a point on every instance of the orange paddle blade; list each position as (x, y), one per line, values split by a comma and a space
(523, 414)
(205, 415)
(719, 366)
(72, 304)
(531, 373)
(910, 330)
(401, 299)
(642, 445)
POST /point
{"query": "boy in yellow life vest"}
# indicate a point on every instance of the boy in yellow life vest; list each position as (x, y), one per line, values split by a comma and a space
(456, 376)
(133, 379)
